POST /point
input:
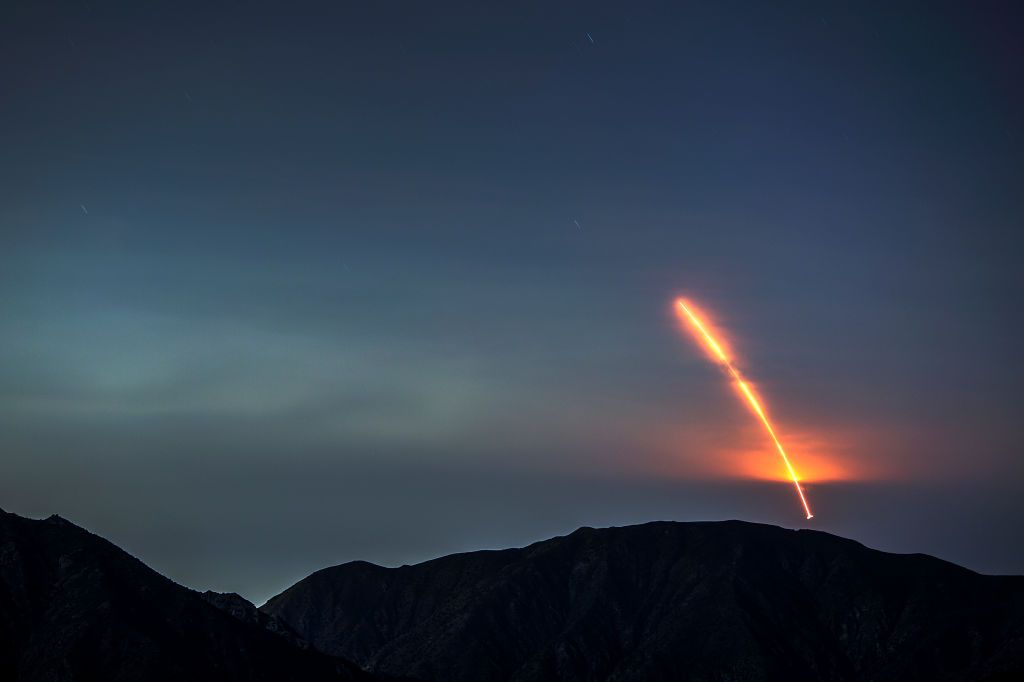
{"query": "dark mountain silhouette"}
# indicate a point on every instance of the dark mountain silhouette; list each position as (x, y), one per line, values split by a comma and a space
(75, 607)
(668, 601)
(661, 601)
(245, 611)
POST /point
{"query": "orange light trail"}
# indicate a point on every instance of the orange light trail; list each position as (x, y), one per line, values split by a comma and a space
(748, 393)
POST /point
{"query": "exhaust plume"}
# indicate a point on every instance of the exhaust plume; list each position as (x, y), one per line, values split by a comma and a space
(685, 310)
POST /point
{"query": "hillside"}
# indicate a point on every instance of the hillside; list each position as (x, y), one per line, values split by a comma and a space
(75, 607)
(667, 601)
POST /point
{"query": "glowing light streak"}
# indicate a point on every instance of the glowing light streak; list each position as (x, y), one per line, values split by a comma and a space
(748, 393)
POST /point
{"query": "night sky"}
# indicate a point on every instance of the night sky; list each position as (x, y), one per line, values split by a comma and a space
(284, 285)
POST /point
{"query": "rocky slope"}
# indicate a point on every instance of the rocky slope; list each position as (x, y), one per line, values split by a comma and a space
(668, 601)
(75, 607)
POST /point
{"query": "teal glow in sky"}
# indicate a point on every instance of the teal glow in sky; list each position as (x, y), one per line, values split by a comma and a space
(283, 286)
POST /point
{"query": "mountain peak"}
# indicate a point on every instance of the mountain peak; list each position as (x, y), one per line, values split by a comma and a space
(666, 600)
(74, 606)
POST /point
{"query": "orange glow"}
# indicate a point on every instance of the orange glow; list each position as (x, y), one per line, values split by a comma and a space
(816, 466)
(829, 452)
(686, 311)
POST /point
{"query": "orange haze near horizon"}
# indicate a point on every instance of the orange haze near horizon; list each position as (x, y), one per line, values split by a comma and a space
(725, 451)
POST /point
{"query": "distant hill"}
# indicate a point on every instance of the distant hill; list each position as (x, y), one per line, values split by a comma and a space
(667, 601)
(74, 607)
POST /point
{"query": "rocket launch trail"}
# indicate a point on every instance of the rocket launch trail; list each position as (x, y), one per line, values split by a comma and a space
(685, 311)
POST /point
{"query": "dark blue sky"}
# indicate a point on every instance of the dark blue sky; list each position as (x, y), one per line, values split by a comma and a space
(287, 284)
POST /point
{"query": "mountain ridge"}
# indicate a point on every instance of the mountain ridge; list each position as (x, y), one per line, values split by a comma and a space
(74, 606)
(357, 562)
(706, 600)
(666, 600)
